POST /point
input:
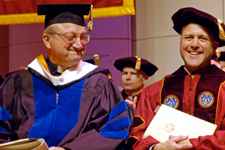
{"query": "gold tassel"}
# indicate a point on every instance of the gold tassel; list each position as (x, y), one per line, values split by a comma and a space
(138, 63)
(221, 30)
(218, 53)
(90, 19)
(97, 59)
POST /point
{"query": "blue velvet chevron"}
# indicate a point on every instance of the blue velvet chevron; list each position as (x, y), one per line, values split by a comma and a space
(119, 121)
(4, 114)
(56, 110)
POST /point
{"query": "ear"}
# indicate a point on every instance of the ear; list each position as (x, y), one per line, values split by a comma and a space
(46, 40)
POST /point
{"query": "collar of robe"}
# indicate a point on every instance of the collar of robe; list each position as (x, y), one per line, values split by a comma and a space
(40, 66)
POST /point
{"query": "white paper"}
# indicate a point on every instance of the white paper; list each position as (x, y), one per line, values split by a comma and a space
(169, 121)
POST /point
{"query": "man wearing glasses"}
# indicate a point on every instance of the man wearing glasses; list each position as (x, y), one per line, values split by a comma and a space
(68, 102)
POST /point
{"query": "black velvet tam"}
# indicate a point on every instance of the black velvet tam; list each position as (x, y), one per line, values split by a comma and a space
(64, 13)
(146, 67)
(187, 15)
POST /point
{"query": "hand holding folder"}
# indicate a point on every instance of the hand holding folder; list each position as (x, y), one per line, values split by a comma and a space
(169, 121)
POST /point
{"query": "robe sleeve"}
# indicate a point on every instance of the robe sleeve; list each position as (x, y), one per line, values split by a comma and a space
(216, 141)
(149, 100)
(109, 122)
(15, 104)
(145, 110)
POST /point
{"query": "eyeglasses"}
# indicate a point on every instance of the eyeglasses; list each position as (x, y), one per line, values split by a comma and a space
(71, 38)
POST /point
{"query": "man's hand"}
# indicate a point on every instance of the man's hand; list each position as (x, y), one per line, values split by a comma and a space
(174, 143)
(56, 148)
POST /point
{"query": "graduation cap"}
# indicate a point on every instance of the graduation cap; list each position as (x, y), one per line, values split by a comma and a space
(137, 63)
(65, 13)
(187, 15)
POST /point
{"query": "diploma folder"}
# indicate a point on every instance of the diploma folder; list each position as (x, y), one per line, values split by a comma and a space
(169, 121)
(25, 144)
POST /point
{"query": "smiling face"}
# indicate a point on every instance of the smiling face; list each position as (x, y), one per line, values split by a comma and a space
(196, 47)
(65, 43)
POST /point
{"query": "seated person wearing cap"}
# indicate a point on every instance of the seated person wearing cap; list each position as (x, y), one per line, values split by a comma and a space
(134, 71)
(219, 61)
(196, 88)
(96, 60)
(59, 97)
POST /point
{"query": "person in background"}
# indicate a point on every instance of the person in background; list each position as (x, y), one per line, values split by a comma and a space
(69, 103)
(96, 60)
(219, 61)
(196, 88)
(134, 71)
